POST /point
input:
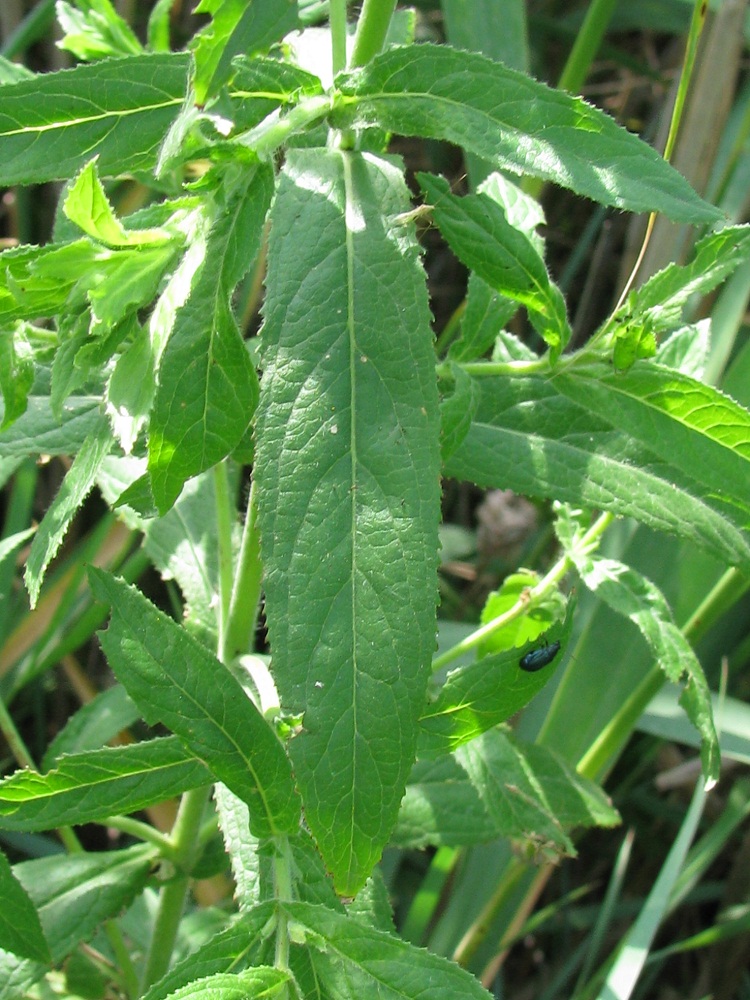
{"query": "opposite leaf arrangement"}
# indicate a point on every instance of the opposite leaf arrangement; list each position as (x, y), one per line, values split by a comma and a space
(348, 419)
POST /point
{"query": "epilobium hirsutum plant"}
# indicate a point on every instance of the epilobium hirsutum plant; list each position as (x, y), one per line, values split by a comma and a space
(123, 346)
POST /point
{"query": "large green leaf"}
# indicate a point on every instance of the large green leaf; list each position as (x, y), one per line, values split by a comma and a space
(530, 438)
(347, 476)
(86, 787)
(121, 110)
(208, 388)
(117, 108)
(518, 124)
(175, 680)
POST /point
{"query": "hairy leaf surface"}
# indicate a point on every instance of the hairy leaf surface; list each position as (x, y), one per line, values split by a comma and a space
(518, 124)
(347, 474)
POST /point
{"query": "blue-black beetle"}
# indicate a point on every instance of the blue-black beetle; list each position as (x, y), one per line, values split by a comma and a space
(535, 659)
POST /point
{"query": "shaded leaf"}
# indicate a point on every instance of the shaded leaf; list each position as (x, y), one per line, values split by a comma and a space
(94, 724)
(530, 438)
(40, 432)
(485, 315)
(78, 482)
(481, 236)
(74, 894)
(441, 806)
(531, 794)
(20, 928)
(175, 680)
(694, 427)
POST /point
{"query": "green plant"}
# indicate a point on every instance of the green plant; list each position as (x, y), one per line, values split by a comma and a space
(245, 161)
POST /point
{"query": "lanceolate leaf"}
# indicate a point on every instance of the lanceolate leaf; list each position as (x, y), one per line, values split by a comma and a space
(175, 680)
(480, 235)
(75, 894)
(87, 787)
(693, 426)
(208, 388)
(347, 476)
(528, 437)
(518, 124)
(76, 486)
(119, 109)
(629, 593)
